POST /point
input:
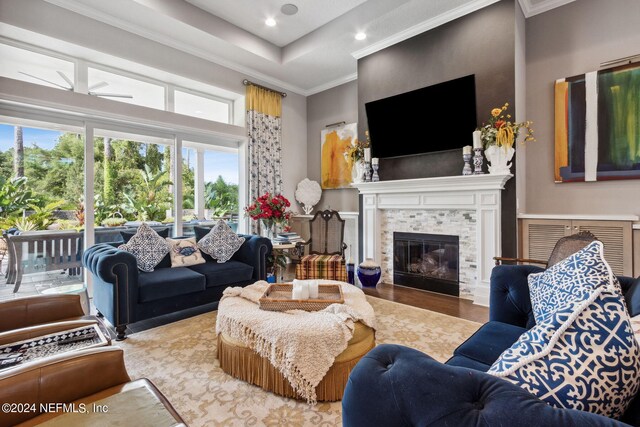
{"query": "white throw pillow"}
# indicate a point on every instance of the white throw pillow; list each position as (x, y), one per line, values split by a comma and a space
(184, 252)
(221, 242)
(147, 246)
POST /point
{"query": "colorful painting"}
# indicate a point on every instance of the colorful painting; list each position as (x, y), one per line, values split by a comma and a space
(597, 125)
(335, 169)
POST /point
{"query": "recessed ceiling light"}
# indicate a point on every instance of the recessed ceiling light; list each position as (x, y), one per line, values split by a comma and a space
(361, 36)
(289, 9)
(270, 22)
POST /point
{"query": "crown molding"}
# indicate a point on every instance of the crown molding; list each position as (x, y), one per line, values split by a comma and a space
(329, 85)
(170, 42)
(422, 27)
(530, 9)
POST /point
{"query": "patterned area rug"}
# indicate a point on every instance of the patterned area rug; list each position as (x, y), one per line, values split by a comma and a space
(180, 359)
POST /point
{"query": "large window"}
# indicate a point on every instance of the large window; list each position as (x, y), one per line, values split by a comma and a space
(117, 87)
(132, 180)
(32, 67)
(42, 172)
(202, 107)
(210, 183)
(41, 191)
(190, 97)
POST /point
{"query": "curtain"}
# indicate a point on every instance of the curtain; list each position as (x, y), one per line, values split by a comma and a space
(264, 127)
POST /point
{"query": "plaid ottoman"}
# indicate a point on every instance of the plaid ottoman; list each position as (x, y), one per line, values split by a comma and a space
(330, 267)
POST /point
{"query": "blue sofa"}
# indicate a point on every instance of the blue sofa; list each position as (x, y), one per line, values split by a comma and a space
(398, 386)
(123, 294)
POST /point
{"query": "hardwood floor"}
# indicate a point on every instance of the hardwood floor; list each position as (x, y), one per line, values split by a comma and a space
(453, 306)
(457, 307)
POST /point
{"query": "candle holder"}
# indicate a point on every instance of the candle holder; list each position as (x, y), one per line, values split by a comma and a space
(477, 161)
(375, 177)
(466, 170)
(367, 171)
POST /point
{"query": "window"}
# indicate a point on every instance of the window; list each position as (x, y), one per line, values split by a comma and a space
(32, 67)
(125, 89)
(217, 183)
(42, 182)
(202, 107)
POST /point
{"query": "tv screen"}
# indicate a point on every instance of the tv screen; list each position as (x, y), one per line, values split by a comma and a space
(434, 118)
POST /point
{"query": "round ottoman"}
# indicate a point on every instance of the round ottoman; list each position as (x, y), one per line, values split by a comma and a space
(243, 363)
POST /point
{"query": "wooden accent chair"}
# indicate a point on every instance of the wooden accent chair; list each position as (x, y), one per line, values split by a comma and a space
(564, 247)
(325, 258)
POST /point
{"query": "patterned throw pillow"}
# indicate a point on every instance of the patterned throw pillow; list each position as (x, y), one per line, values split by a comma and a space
(148, 248)
(569, 280)
(184, 252)
(583, 356)
(221, 242)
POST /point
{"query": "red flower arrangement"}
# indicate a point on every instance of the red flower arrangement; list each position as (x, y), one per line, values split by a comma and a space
(271, 210)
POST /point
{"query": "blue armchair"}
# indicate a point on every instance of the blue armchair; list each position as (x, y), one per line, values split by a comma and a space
(398, 386)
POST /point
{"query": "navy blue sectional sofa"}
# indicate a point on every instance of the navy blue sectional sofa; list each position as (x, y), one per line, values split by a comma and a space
(395, 385)
(124, 294)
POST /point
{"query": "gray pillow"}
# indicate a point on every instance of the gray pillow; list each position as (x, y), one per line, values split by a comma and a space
(147, 246)
(221, 242)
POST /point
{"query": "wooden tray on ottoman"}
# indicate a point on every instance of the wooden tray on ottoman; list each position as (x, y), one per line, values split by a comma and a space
(277, 297)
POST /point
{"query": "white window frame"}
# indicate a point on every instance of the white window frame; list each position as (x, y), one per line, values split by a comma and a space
(81, 74)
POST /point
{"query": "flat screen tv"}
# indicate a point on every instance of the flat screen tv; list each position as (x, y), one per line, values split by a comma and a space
(435, 118)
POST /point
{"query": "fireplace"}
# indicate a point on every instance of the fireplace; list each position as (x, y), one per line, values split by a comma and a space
(426, 261)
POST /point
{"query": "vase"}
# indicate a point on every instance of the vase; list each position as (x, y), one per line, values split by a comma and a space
(357, 172)
(268, 229)
(369, 273)
(499, 159)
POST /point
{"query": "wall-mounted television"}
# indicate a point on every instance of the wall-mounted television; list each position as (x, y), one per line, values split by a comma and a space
(434, 118)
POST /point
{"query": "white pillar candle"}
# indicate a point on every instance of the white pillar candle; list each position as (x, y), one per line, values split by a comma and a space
(477, 141)
(313, 289)
(374, 161)
(300, 290)
(466, 149)
(367, 154)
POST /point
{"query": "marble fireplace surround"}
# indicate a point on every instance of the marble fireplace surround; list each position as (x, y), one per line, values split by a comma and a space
(470, 204)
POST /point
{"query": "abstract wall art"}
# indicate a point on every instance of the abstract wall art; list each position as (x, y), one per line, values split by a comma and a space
(335, 171)
(597, 125)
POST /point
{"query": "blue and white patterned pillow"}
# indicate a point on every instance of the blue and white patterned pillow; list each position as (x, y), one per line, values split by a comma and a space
(221, 242)
(147, 246)
(583, 356)
(569, 280)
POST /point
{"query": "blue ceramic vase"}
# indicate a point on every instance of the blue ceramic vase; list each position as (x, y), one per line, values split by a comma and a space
(369, 273)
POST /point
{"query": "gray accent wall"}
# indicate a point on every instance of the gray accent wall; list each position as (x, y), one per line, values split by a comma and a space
(331, 106)
(482, 43)
(570, 40)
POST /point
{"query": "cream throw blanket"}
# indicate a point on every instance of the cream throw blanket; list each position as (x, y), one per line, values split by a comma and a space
(300, 344)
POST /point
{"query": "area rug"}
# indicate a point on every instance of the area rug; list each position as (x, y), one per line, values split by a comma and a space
(180, 359)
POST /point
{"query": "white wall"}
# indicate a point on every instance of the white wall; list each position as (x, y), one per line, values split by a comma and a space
(40, 18)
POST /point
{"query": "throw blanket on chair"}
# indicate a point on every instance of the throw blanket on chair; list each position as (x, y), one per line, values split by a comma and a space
(301, 345)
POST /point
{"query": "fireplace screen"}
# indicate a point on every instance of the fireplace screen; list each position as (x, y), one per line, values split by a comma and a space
(426, 261)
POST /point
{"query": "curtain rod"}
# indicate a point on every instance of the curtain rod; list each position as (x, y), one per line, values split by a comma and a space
(247, 83)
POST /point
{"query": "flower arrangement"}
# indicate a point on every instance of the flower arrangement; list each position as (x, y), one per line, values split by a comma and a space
(271, 210)
(355, 152)
(500, 131)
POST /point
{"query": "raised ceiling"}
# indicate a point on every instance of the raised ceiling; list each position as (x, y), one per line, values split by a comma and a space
(251, 15)
(307, 52)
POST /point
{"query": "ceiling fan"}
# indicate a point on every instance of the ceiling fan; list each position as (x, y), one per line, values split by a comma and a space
(92, 88)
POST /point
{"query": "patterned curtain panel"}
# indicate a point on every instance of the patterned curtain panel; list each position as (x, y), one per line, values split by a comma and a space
(264, 124)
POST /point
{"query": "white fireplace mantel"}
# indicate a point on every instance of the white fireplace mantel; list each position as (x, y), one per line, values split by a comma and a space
(481, 193)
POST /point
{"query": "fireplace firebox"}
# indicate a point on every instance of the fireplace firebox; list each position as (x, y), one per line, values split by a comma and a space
(426, 261)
